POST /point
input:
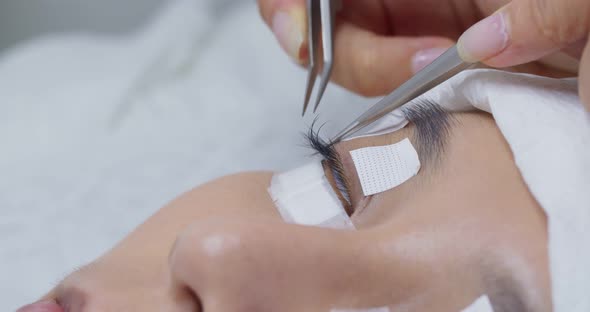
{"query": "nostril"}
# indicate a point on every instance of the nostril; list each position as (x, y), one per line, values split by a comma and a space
(195, 302)
(43, 306)
(185, 299)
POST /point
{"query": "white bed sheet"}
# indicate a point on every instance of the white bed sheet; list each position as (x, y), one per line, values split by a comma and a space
(97, 133)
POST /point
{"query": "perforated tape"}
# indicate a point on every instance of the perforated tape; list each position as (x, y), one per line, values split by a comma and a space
(381, 168)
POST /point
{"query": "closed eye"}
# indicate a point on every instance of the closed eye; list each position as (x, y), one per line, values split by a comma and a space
(332, 161)
(431, 129)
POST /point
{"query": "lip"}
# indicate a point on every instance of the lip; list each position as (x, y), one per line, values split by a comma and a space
(43, 306)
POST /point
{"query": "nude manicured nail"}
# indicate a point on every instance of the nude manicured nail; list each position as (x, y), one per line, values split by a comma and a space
(425, 57)
(485, 39)
(289, 28)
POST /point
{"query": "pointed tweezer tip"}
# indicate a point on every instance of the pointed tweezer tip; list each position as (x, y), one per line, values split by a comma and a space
(305, 104)
(317, 104)
(319, 98)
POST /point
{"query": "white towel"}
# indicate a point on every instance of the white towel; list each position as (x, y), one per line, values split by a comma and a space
(548, 131)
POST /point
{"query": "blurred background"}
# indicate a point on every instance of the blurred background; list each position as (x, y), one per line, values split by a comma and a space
(23, 20)
(110, 109)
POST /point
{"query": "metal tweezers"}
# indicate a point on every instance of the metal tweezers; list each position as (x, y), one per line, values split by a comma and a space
(320, 24)
(321, 15)
(440, 70)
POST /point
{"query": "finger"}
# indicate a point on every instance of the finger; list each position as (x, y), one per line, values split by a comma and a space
(373, 65)
(268, 8)
(526, 30)
(287, 19)
(584, 81)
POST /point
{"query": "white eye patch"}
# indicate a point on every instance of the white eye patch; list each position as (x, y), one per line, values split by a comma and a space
(381, 168)
(304, 196)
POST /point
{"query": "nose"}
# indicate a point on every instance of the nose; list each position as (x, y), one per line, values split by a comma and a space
(263, 265)
(231, 266)
(44, 306)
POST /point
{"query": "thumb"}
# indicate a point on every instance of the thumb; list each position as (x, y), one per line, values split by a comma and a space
(526, 30)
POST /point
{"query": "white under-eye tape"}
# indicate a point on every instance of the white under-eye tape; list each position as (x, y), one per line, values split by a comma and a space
(304, 196)
(381, 168)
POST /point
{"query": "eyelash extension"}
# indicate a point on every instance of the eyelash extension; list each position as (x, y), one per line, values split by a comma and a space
(328, 152)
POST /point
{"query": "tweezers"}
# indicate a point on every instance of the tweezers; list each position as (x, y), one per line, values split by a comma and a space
(320, 19)
(444, 67)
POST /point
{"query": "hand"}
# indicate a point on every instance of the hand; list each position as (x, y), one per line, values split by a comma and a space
(526, 30)
(379, 44)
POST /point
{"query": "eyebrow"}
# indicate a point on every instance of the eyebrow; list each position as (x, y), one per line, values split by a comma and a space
(433, 127)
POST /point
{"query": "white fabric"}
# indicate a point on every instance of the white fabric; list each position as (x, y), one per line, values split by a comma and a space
(381, 168)
(548, 131)
(97, 133)
(389, 123)
(304, 196)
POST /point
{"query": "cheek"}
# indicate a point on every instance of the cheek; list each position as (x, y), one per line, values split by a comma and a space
(429, 236)
(385, 207)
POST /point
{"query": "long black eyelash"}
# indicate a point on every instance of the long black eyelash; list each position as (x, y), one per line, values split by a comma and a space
(328, 152)
(318, 144)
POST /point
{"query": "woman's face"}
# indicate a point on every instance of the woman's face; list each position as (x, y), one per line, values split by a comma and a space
(465, 226)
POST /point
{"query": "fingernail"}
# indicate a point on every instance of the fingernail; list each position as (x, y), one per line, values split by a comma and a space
(289, 28)
(485, 39)
(43, 306)
(425, 57)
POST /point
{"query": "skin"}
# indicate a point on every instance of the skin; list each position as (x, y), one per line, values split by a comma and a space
(465, 227)
(375, 41)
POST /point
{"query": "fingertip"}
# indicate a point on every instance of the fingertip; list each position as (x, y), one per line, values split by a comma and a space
(290, 28)
(268, 8)
(525, 31)
(288, 22)
(485, 39)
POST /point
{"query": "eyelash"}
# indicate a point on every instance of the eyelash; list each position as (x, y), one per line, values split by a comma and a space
(327, 150)
(341, 184)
